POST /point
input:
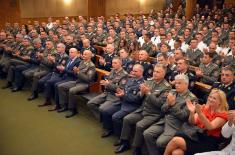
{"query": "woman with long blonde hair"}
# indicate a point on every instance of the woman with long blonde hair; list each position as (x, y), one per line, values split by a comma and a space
(210, 117)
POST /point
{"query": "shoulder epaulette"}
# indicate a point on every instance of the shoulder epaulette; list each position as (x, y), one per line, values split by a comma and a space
(166, 83)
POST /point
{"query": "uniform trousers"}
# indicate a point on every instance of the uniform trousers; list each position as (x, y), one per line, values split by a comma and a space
(101, 103)
(113, 116)
(154, 139)
(140, 122)
(68, 92)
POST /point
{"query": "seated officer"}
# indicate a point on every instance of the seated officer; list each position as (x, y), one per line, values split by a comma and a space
(47, 61)
(142, 60)
(176, 113)
(162, 58)
(153, 91)
(87, 46)
(116, 79)
(183, 68)
(9, 48)
(208, 72)
(131, 99)
(227, 85)
(33, 63)
(229, 60)
(105, 61)
(21, 57)
(193, 54)
(68, 91)
(147, 46)
(56, 75)
(67, 74)
(124, 55)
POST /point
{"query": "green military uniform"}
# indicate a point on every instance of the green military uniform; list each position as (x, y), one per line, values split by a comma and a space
(7, 54)
(149, 113)
(148, 47)
(99, 39)
(210, 73)
(159, 134)
(24, 51)
(44, 68)
(68, 91)
(104, 100)
(90, 36)
(194, 56)
(229, 61)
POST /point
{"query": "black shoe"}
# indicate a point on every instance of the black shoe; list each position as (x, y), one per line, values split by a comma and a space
(117, 143)
(106, 133)
(8, 85)
(33, 96)
(15, 89)
(62, 110)
(54, 108)
(122, 148)
(137, 151)
(44, 104)
(71, 114)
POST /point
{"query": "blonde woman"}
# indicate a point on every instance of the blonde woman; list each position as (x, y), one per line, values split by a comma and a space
(228, 130)
(211, 117)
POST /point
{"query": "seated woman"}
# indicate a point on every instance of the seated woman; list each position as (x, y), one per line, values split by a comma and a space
(211, 117)
(228, 130)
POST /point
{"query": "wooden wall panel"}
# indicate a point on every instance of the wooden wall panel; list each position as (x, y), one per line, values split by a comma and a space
(147, 5)
(96, 8)
(132, 6)
(190, 5)
(54, 8)
(9, 11)
(229, 2)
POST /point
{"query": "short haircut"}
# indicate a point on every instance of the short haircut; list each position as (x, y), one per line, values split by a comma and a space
(62, 44)
(37, 40)
(74, 49)
(118, 58)
(211, 55)
(161, 66)
(229, 68)
(182, 77)
(140, 67)
(164, 55)
(185, 61)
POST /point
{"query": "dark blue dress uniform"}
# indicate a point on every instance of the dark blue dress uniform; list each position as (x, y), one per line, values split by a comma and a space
(112, 116)
(108, 59)
(125, 63)
(67, 75)
(50, 79)
(194, 56)
(229, 91)
(71, 45)
(148, 68)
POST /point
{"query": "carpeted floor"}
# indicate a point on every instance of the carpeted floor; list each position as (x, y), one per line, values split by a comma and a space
(27, 129)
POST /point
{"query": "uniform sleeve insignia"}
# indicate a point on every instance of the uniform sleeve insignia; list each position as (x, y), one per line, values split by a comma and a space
(63, 62)
(134, 92)
(150, 71)
(123, 81)
(192, 95)
(191, 84)
(166, 84)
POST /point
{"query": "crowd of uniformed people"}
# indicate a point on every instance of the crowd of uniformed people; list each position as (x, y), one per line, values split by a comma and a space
(150, 96)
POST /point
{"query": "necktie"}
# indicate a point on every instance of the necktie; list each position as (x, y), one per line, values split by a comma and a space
(70, 62)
